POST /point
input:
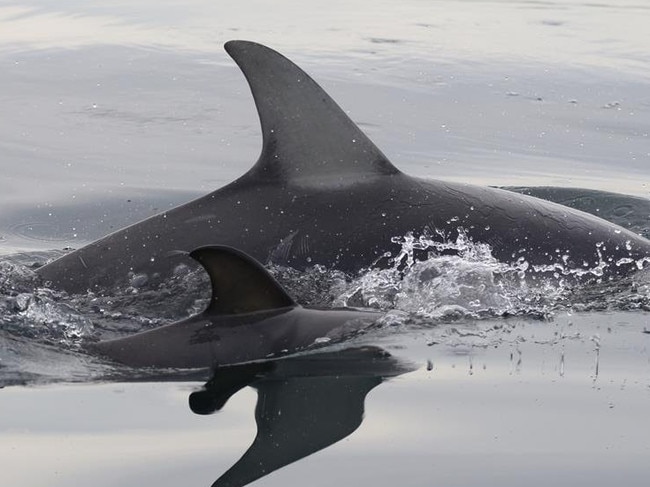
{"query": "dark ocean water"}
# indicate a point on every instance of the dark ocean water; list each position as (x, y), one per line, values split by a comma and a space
(117, 111)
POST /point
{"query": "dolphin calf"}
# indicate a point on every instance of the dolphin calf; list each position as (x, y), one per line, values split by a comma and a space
(250, 317)
(322, 193)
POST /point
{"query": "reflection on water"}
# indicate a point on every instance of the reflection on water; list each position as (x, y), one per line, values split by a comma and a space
(549, 403)
(567, 32)
(304, 404)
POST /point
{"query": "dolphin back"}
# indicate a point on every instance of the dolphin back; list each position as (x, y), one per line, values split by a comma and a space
(322, 193)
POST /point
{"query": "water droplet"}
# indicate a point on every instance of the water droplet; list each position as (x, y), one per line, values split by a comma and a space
(139, 280)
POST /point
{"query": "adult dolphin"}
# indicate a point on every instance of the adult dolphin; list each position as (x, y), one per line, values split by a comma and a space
(322, 193)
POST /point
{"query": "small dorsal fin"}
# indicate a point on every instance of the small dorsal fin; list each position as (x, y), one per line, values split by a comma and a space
(239, 283)
(305, 133)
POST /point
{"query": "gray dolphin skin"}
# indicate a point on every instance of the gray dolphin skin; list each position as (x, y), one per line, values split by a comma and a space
(322, 193)
(250, 317)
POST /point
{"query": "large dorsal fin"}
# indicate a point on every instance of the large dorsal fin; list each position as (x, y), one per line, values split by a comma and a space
(239, 283)
(305, 133)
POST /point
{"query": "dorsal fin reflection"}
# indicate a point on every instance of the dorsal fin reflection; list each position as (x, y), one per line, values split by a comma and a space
(320, 397)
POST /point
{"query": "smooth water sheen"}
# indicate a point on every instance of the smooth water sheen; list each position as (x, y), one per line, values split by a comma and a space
(116, 111)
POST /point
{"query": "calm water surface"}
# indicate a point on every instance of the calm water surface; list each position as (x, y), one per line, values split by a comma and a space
(113, 111)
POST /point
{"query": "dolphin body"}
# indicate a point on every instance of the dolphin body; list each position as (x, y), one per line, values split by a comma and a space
(250, 317)
(322, 193)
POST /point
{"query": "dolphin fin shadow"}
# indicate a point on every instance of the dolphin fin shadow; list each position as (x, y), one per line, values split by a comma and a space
(297, 418)
(223, 386)
(305, 404)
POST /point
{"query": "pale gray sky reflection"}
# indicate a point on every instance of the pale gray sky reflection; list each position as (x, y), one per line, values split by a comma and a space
(570, 33)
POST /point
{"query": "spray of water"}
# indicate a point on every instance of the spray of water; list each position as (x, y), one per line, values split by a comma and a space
(432, 279)
(458, 278)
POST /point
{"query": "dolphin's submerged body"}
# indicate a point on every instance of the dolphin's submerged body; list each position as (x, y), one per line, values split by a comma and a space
(323, 193)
